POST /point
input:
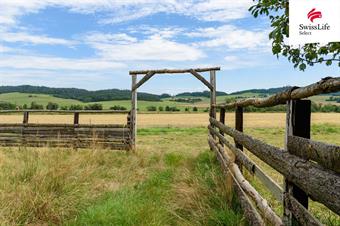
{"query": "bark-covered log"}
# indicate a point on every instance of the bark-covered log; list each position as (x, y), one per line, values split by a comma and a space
(67, 111)
(260, 202)
(320, 184)
(300, 212)
(175, 71)
(202, 79)
(326, 155)
(271, 185)
(250, 212)
(326, 85)
(143, 80)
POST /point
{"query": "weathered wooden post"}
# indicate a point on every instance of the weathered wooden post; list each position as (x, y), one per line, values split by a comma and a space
(222, 120)
(133, 111)
(213, 94)
(26, 117)
(298, 121)
(239, 127)
(76, 118)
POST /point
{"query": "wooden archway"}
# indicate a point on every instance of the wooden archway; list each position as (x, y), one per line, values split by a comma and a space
(147, 74)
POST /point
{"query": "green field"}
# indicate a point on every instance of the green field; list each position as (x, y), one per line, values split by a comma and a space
(172, 179)
(26, 98)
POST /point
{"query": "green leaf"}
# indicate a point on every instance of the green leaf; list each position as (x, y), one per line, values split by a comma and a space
(329, 62)
(302, 67)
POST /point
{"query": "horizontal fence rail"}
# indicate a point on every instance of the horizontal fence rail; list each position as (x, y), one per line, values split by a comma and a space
(66, 111)
(76, 135)
(311, 169)
(326, 85)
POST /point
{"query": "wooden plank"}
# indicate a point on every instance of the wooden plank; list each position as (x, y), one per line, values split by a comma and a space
(260, 202)
(174, 71)
(298, 121)
(300, 212)
(26, 117)
(250, 212)
(270, 184)
(47, 125)
(76, 118)
(239, 127)
(213, 94)
(320, 184)
(326, 85)
(222, 120)
(67, 111)
(143, 80)
(133, 113)
(327, 155)
(202, 79)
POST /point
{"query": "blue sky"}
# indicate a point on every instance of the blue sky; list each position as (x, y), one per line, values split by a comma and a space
(93, 44)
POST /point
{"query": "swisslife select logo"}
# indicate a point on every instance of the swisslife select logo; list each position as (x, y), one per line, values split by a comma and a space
(314, 21)
(307, 29)
(312, 15)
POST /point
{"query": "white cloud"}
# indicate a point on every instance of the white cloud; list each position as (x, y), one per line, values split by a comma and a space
(57, 63)
(235, 62)
(120, 38)
(23, 37)
(154, 48)
(231, 37)
(4, 49)
(118, 11)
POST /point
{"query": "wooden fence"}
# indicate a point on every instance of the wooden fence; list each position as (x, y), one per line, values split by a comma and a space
(311, 169)
(76, 135)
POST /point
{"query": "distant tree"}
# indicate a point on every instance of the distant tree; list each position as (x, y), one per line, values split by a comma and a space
(186, 109)
(52, 106)
(75, 107)
(94, 106)
(151, 108)
(194, 109)
(7, 106)
(118, 108)
(167, 108)
(35, 106)
(304, 55)
(160, 108)
(64, 108)
(24, 106)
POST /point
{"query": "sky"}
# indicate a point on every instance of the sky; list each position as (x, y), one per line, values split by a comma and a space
(93, 44)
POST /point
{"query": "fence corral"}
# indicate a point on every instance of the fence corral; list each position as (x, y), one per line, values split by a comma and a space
(76, 135)
(311, 169)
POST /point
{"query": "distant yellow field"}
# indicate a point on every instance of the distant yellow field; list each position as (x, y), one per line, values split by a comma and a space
(180, 120)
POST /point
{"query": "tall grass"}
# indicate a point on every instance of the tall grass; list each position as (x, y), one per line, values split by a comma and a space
(170, 180)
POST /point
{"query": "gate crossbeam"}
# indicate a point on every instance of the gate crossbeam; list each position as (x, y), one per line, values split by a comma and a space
(150, 73)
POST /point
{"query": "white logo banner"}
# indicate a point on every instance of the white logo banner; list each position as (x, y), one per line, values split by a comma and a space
(314, 21)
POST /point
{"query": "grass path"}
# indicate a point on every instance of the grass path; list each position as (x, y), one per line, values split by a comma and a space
(172, 179)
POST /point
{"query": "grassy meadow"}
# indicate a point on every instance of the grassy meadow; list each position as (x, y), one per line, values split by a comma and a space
(172, 179)
(27, 98)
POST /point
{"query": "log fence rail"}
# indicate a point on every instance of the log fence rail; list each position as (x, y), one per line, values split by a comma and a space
(310, 168)
(76, 135)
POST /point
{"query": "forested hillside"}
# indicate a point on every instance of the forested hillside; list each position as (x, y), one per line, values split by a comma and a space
(79, 94)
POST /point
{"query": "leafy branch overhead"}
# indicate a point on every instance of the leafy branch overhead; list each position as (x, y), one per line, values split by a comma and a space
(304, 55)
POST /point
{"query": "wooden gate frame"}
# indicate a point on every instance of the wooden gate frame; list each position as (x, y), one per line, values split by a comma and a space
(150, 73)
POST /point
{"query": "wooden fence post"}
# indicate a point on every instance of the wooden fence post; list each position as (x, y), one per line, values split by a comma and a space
(133, 111)
(222, 120)
(213, 94)
(26, 117)
(213, 97)
(76, 118)
(239, 127)
(298, 122)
